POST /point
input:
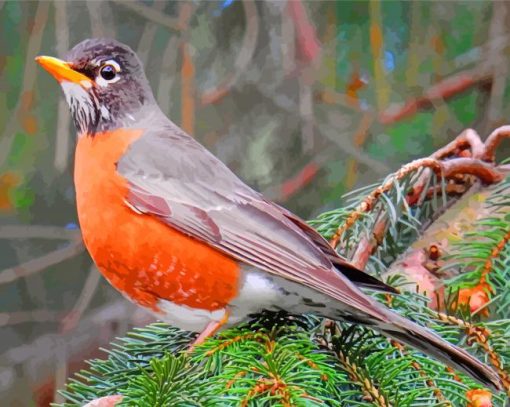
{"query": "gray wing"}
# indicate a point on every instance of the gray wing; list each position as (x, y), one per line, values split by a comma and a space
(176, 179)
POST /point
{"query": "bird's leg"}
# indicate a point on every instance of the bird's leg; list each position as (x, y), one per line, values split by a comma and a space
(211, 328)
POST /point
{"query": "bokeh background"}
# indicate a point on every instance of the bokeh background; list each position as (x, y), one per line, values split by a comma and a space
(305, 100)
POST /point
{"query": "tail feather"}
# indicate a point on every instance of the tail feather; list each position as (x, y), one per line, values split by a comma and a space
(426, 341)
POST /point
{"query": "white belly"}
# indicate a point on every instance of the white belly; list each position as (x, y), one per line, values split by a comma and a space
(258, 291)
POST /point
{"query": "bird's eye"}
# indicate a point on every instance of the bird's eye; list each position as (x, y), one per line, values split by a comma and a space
(108, 72)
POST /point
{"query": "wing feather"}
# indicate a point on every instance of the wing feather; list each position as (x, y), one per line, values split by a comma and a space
(173, 177)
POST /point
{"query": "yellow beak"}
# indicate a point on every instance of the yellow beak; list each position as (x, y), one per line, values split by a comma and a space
(62, 71)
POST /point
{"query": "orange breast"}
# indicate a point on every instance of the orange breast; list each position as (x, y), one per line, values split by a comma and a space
(139, 255)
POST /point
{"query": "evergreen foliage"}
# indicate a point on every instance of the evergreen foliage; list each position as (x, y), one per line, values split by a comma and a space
(286, 360)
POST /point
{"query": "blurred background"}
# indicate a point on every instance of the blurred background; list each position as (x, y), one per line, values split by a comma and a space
(305, 100)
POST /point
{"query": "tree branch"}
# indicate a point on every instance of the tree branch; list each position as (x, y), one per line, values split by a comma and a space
(149, 13)
(33, 266)
(71, 320)
(38, 232)
(493, 142)
(243, 59)
(21, 317)
(25, 99)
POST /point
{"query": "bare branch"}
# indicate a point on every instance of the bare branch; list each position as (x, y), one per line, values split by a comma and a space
(484, 171)
(100, 12)
(61, 362)
(243, 59)
(494, 140)
(498, 61)
(168, 62)
(70, 321)
(30, 71)
(37, 232)
(94, 331)
(150, 14)
(167, 75)
(468, 138)
(443, 90)
(63, 115)
(21, 317)
(148, 34)
(33, 266)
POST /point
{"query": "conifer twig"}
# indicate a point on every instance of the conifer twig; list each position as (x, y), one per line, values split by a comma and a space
(480, 335)
(444, 169)
(369, 388)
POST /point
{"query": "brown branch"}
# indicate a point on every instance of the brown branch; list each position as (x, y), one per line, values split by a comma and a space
(148, 34)
(25, 99)
(38, 356)
(33, 266)
(468, 138)
(493, 142)
(482, 339)
(381, 85)
(498, 61)
(274, 385)
(367, 204)
(236, 339)
(71, 320)
(496, 251)
(168, 61)
(167, 76)
(264, 386)
(63, 115)
(369, 388)
(38, 232)
(438, 394)
(149, 13)
(61, 369)
(306, 111)
(416, 366)
(359, 139)
(482, 170)
(343, 142)
(332, 97)
(243, 59)
(480, 335)
(441, 91)
(369, 242)
(446, 169)
(21, 317)
(100, 15)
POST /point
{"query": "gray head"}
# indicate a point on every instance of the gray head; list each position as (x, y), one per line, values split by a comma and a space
(103, 82)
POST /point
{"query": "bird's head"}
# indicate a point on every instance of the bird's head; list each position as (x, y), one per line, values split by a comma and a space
(103, 82)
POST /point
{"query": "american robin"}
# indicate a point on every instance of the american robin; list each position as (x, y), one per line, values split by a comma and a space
(175, 231)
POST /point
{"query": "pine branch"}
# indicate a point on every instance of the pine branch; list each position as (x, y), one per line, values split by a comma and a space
(280, 359)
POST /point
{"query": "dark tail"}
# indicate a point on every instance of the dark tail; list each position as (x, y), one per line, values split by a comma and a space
(406, 331)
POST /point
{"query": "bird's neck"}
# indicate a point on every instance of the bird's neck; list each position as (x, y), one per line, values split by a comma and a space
(109, 120)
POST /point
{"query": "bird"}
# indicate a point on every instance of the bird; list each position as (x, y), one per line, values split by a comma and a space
(174, 230)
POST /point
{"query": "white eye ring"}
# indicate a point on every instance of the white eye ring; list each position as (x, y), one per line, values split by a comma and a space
(101, 80)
